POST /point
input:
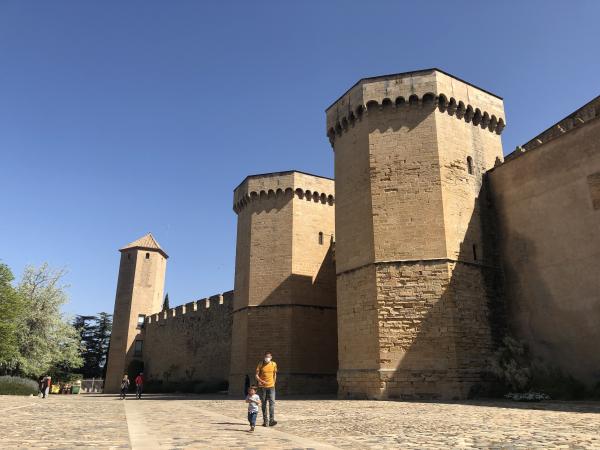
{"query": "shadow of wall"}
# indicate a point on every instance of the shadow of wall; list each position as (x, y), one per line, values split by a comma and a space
(548, 223)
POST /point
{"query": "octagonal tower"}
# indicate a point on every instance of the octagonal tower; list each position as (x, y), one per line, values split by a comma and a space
(284, 299)
(415, 268)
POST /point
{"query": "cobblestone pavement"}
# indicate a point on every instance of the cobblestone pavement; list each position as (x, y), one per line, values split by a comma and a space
(177, 422)
(62, 421)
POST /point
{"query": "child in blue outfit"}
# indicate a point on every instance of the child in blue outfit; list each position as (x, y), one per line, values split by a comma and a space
(253, 401)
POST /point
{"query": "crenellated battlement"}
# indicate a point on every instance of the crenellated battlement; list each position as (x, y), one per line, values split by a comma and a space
(430, 88)
(192, 308)
(283, 185)
(443, 103)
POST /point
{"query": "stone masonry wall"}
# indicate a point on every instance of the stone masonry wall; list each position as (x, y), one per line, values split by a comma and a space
(190, 343)
(436, 320)
(548, 203)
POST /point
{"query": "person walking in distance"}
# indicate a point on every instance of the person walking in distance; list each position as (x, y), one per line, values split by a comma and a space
(46, 384)
(124, 387)
(40, 386)
(139, 385)
(266, 375)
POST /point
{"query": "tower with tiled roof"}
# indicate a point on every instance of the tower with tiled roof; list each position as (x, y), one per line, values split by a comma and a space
(140, 289)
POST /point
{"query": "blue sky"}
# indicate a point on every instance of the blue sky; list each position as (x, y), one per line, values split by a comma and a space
(118, 118)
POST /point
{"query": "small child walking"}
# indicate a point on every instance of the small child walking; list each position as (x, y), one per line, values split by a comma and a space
(254, 402)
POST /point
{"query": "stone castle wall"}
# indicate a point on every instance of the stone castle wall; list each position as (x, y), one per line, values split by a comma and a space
(547, 198)
(407, 300)
(430, 331)
(191, 342)
(413, 297)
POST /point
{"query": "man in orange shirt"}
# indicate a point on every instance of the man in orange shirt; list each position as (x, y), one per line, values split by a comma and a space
(266, 375)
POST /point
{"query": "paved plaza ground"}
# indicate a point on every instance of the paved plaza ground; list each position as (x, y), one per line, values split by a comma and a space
(177, 422)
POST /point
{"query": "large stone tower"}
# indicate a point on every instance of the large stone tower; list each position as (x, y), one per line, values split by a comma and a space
(415, 274)
(284, 299)
(139, 293)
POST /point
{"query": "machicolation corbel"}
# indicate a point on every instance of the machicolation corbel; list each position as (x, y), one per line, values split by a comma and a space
(450, 106)
(253, 196)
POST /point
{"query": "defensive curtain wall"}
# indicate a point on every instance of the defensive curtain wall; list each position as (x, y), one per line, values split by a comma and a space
(285, 281)
(547, 198)
(190, 343)
(416, 278)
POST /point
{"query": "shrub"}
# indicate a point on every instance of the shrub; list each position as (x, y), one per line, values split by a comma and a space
(512, 365)
(17, 386)
(519, 372)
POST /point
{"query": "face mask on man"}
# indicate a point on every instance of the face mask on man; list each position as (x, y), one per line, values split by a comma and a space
(267, 359)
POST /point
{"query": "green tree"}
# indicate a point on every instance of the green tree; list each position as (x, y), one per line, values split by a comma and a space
(11, 308)
(47, 341)
(94, 332)
(102, 338)
(166, 302)
(85, 326)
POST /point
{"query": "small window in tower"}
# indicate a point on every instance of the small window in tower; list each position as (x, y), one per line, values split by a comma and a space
(137, 349)
(474, 252)
(140, 322)
(320, 238)
(147, 255)
(128, 255)
(470, 165)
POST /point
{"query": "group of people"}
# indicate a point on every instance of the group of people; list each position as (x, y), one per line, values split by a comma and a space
(266, 375)
(139, 386)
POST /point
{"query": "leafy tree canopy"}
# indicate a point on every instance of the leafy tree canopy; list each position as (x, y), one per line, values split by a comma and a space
(11, 308)
(47, 342)
(94, 332)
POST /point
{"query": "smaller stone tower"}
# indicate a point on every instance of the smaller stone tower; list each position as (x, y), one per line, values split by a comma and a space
(284, 299)
(139, 293)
